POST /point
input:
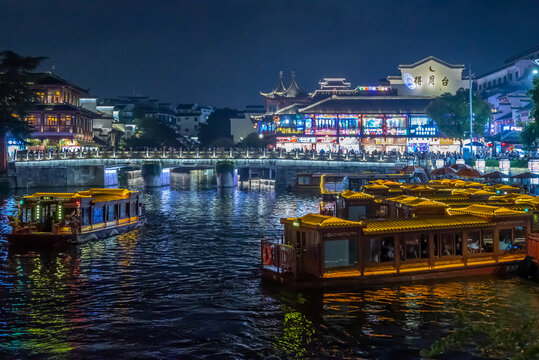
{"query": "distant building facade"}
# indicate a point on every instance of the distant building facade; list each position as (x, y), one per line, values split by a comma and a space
(58, 120)
(506, 89)
(190, 117)
(384, 117)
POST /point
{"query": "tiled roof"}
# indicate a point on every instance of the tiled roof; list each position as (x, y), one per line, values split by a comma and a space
(369, 104)
(486, 210)
(418, 224)
(322, 221)
(355, 195)
(98, 195)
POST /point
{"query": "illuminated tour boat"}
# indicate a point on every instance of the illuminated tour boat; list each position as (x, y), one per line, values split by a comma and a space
(75, 218)
(392, 232)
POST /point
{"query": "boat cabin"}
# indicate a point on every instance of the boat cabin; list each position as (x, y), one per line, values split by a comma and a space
(72, 215)
(324, 250)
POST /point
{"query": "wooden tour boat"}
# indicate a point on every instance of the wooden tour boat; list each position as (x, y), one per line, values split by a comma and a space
(74, 218)
(375, 237)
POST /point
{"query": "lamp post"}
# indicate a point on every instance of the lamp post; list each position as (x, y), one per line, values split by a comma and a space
(471, 112)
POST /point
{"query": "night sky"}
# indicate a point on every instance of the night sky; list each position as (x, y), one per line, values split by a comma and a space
(222, 53)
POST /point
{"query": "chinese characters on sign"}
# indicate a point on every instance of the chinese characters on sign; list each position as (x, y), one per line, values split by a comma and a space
(415, 81)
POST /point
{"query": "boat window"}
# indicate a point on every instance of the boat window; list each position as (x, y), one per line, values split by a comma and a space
(409, 247)
(26, 215)
(98, 215)
(341, 252)
(304, 180)
(133, 209)
(382, 250)
(474, 245)
(447, 246)
(505, 239)
(110, 212)
(124, 208)
(487, 241)
(458, 244)
(519, 240)
(381, 211)
(424, 246)
(85, 216)
(357, 212)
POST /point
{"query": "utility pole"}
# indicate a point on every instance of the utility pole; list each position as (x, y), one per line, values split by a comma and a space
(471, 112)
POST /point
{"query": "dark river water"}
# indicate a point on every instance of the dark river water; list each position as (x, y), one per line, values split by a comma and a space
(188, 285)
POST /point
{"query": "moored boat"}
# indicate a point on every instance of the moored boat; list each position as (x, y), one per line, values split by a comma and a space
(375, 237)
(50, 219)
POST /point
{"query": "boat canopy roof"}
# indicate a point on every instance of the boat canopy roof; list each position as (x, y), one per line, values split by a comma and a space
(321, 221)
(488, 211)
(97, 195)
(420, 224)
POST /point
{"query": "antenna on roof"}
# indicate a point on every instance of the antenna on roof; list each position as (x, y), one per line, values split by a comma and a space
(52, 68)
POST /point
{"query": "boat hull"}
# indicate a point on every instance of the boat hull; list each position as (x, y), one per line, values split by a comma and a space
(382, 280)
(49, 239)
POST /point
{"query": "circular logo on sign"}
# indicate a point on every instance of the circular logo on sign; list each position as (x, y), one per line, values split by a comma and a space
(408, 81)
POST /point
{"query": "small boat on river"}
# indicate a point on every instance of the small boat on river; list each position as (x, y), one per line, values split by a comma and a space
(49, 219)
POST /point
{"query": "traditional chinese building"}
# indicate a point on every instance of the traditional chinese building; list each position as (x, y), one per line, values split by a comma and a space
(385, 117)
(57, 118)
(506, 89)
(281, 97)
(428, 77)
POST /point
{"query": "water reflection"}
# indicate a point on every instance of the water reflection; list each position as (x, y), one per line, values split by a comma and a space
(36, 301)
(187, 285)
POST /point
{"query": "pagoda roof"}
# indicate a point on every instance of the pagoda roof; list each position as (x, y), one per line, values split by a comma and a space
(50, 79)
(369, 104)
(294, 90)
(67, 107)
(280, 92)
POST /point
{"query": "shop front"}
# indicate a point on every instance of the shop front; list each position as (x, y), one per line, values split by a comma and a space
(444, 145)
(293, 143)
(349, 143)
(387, 144)
(327, 144)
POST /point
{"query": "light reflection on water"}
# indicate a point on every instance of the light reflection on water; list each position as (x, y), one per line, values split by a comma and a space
(187, 285)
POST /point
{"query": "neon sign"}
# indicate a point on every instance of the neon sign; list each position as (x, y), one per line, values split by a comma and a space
(422, 126)
(372, 125)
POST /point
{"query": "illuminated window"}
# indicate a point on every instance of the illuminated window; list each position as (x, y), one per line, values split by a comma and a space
(51, 120)
(98, 215)
(32, 120)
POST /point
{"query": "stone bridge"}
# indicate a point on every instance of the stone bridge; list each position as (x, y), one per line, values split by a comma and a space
(89, 168)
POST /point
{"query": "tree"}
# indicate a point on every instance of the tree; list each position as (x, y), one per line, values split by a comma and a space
(452, 114)
(253, 140)
(152, 132)
(15, 98)
(217, 126)
(530, 134)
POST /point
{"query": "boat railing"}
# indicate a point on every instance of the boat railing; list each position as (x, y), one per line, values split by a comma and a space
(276, 256)
(533, 245)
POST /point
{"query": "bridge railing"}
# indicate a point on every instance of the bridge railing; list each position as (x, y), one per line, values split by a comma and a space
(217, 153)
